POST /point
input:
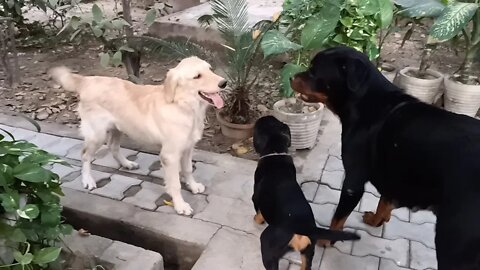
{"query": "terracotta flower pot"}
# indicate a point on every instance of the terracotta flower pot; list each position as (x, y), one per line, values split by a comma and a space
(234, 131)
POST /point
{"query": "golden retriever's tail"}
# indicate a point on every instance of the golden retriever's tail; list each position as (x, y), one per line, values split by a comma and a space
(65, 78)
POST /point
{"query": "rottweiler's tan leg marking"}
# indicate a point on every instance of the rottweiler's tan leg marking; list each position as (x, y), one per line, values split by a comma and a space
(259, 218)
(299, 242)
(336, 224)
(383, 214)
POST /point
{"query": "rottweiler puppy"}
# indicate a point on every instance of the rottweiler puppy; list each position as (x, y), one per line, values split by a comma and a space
(279, 200)
(415, 154)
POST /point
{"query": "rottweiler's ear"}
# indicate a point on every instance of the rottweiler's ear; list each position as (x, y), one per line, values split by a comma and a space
(259, 141)
(357, 75)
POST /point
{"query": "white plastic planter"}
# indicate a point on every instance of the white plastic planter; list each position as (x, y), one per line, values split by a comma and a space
(461, 98)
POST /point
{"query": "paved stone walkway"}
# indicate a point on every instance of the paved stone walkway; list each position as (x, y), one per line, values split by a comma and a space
(406, 242)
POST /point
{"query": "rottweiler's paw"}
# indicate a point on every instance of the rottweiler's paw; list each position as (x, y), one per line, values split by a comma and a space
(371, 219)
(258, 218)
(325, 243)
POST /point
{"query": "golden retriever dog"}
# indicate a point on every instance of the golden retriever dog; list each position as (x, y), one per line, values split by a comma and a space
(170, 117)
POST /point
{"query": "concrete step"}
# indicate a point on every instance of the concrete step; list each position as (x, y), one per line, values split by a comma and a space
(184, 23)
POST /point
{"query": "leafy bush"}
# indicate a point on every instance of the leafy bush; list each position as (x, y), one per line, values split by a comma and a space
(30, 210)
(308, 26)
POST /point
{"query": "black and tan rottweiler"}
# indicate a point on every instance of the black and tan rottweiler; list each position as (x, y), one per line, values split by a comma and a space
(279, 200)
(415, 154)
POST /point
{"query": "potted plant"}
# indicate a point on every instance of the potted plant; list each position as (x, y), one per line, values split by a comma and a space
(308, 26)
(421, 82)
(30, 210)
(462, 90)
(243, 68)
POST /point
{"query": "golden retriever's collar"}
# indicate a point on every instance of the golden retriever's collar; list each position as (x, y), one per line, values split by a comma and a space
(274, 154)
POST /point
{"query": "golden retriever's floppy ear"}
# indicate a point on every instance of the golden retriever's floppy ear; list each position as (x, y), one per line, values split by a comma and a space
(170, 85)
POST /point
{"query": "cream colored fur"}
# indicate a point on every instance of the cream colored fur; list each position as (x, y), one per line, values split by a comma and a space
(169, 116)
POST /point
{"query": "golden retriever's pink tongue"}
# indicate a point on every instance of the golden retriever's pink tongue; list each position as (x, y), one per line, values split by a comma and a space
(217, 100)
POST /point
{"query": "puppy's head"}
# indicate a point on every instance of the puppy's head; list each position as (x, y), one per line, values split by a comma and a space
(335, 76)
(194, 77)
(270, 136)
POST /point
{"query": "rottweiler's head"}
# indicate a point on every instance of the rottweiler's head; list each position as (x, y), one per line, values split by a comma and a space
(335, 76)
(270, 136)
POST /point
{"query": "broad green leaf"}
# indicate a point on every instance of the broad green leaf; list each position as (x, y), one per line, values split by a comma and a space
(46, 255)
(452, 20)
(42, 158)
(150, 17)
(367, 7)
(117, 58)
(6, 175)
(424, 8)
(32, 173)
(319, 27)
(97, 31)
(385, 15)
(10, 201)
(53, 3)
(120, 23)
(288, 71)
(17, 236)
(97, 13)
(126, 48)
(10, 3)
(29, 211)
(66, 229)
(274, 42)
(104, 59)
(23, 259)
(75, 22)
(50, 215)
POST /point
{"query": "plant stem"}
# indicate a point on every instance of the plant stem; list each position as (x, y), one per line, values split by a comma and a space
(132, 59)
(425, 60)
(472, 50)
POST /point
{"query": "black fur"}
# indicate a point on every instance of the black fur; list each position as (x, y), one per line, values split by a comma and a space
(280, 199)
(415, 154)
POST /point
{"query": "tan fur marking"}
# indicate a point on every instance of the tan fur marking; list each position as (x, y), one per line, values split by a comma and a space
(259, 218)
(304, 262)
(299, 242)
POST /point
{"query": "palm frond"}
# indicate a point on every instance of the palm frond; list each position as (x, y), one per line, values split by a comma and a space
(205, 20)
(231, 17)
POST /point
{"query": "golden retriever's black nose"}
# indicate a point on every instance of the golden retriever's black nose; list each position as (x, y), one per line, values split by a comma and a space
(222, 84)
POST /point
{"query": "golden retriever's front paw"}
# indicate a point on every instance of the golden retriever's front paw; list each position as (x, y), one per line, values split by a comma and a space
(130, 165)
(89, 183)
(196, 187)
(183, 208)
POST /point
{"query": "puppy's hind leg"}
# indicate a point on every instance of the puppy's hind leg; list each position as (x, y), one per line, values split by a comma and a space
(114, 146)
(274, 244)
(187, 169)
(307, 257)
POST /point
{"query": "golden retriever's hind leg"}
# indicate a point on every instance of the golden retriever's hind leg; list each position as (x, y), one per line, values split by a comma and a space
(114, 146)
(187, 169)
(170, 158)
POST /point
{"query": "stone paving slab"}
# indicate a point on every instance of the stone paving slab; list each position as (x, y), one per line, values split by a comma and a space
(222, 221)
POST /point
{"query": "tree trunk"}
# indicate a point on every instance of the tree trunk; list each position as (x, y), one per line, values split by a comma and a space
(131, 60)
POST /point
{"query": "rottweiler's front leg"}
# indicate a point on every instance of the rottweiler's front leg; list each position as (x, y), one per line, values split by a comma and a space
(383, 214)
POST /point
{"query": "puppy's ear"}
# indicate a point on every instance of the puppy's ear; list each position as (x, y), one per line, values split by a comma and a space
(170, 85)
(357, 75)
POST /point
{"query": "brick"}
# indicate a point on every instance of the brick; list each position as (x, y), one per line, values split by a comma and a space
(334, 164)
(333, 259)
(326, 195)
(230, 212)
(323, 213)
(370, 188)
(75, 152)
(198, 202)
(424, 233)
(24, 134)
(232, 250)
(205, 173)
(147, 196)
(160, 173)
(423, 216)
(126, 256)
(76, 184)
(87, 245)
(116, 188)
(309, 189)
(333, 179)
(315, 162)
(205, 157)
(63, 170)
(369, 203)
(107, 159)
(355, 221)
(336, 150)
(396, 250)
(144, 160)
(231, 185)
(62, 147)
(43, 140)
(423, 257)
(386, 264)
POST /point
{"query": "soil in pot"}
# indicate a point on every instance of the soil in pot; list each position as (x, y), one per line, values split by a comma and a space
(424, 86)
